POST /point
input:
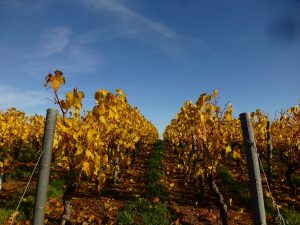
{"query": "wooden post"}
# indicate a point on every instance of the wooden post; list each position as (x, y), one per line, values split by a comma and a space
(115, 174)
(195, 148)
(1, 173)
(270, 153)
(44, 172)
(257, 198)
(1, 179)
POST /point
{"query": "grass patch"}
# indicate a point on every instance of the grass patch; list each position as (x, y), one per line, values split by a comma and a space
(26, 208)
(275, 175)
(296, 180)
(234, 187)
(5, 214)
(144, 212)
(19, 174)
(226, 176)
(292, 217)
(55, 189)
(154, 185)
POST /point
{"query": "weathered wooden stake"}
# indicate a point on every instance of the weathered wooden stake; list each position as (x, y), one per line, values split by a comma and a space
(1, 180)
(257, 198)
(195, 148)
(1, 172)
(116, 172)
(270, 153)
(44, 172)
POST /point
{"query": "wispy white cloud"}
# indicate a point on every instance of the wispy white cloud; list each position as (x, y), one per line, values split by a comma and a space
(54, 40)
(55, 49)
(106, 33)
(131, 24)
(84, 59)
(77, 60)
(125, 13)
(77, 53)
(20, 99)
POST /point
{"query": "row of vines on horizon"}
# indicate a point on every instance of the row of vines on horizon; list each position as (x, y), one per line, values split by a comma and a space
(94, 144)
(207, 137)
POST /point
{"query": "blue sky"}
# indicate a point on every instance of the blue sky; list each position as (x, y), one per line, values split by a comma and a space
(161, 53)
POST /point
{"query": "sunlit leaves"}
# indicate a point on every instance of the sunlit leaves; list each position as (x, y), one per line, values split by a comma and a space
(55, 80)
(83, 143)
(286, 135)
(88, 142)
(214, 135)
(228, 149)
(236, 155)
(73, 101)
(86, 168)
(210, 128)
(100, 94)
(15, 127)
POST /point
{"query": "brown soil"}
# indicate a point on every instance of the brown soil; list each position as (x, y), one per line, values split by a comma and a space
(185, 200)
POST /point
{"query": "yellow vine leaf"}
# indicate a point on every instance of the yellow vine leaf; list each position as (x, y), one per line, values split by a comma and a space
(79, 151)
(119, 91)
(227, 116)
(89, 154)
(64, 105)
(86, 168)
(90, 135)
(105, 159)
(69, 98)
(111, 114)
(101, 93)
(236, 155)
(228, 149)
(216, 93)
(268, 194)
(102, 119)
(55, 84)
(242, 210)
(55, 81)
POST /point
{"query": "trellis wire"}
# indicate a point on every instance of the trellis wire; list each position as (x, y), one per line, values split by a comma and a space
(16, 211)
(282, 221)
